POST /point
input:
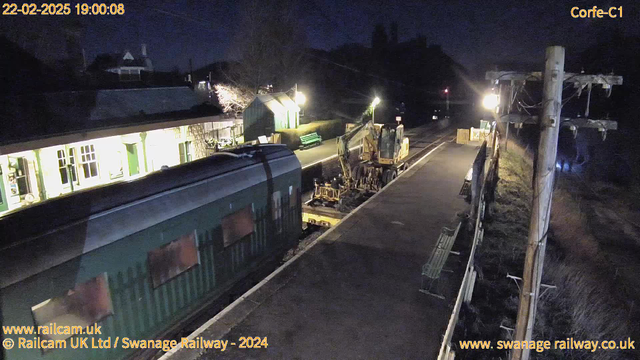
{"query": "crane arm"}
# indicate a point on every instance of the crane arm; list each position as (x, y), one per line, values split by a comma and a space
(353, 136)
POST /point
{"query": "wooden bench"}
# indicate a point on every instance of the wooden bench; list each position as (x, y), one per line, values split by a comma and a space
(310, 140)
(465, 190)
(434, 266)
(466, 185)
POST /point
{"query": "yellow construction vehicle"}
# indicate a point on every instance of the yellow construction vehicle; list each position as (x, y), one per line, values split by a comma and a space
(384, 149)
(382, 158)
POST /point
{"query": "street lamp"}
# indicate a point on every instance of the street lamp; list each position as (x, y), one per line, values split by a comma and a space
(375, 102)
(300, 98)
(491, 102)
(446, 92)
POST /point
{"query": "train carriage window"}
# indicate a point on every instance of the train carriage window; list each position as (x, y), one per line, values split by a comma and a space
(276, 206)
(237, 225)
(80, 307)
(276, 210)
(173, 259)
(293, 196)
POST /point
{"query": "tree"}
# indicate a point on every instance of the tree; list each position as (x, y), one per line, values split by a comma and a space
(233, 98)
(270, 44)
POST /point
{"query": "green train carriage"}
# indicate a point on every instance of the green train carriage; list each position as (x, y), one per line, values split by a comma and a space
(137, 258)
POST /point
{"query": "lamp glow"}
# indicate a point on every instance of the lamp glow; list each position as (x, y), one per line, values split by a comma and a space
(490, 101)
(300, 98)
(375, 102)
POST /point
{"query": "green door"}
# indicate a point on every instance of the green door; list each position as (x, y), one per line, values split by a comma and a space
(132, 156)
(3, 197)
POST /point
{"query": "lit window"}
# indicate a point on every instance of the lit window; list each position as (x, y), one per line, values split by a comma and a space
(72, 162)
(237, 225)
(66, 167)
(62, 165)
(1, 190)
(276, 206)
(129, 75)
(276, 210)
(173, 259)
(293, 196)
(80, 307)
(19, 176)
(88, 161)
(185, 151)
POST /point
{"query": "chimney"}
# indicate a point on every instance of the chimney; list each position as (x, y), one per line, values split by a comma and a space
(144, 50)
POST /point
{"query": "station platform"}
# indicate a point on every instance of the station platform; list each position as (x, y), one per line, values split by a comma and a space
(353, 293)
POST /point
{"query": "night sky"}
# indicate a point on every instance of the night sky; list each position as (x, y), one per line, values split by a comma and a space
(474, 33)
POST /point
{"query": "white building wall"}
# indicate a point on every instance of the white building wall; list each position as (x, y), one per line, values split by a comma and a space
(162, 148)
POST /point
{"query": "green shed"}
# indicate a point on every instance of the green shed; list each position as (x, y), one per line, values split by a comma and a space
(269, 113)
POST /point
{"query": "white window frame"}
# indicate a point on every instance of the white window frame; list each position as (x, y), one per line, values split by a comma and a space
(276, 210)
(67, 162)
(130, 74)
(87, 157)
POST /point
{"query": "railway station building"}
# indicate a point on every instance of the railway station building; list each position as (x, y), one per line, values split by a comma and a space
(56, 143)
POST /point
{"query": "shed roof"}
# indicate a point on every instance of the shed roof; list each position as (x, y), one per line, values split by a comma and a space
(277, 102)
(271, 103)
(286, 101)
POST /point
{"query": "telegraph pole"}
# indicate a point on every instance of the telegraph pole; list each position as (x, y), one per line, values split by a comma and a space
(542, 195)
(549, 123)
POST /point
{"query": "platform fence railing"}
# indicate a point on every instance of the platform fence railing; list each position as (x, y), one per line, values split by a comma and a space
(485, 181)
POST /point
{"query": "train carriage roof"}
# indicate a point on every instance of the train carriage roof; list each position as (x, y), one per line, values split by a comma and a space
(41, 217)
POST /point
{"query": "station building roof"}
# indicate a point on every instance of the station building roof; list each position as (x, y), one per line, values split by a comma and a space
(36, 120)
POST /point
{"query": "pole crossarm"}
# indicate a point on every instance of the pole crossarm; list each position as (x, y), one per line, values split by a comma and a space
(589, 123)
(564, 121)
(575, 78)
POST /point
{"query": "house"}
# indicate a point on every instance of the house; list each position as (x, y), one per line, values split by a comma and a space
(52, 144)
(269, 113)
(125, 65)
